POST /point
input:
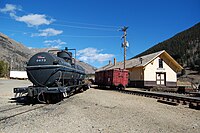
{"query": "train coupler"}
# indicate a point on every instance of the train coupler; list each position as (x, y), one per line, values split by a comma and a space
(20, 90)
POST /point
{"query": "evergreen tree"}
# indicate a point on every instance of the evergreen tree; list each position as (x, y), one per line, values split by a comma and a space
(3, 69)
(183, 47)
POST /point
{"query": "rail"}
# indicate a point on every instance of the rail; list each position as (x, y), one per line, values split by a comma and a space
(19, 113)
(193, 102)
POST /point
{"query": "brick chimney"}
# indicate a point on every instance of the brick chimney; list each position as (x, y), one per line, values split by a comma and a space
(115, 61)
(141, 60)
(110, 63)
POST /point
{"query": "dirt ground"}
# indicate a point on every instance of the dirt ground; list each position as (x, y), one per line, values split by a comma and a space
(6, 88)
(98, 111)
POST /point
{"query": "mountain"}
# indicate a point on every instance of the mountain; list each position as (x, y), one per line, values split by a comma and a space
(184, 47)
(88, 68)
(13, 53)
(16, 54)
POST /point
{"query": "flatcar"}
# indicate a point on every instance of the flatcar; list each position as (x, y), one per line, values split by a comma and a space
(114, 78)
(55, 75)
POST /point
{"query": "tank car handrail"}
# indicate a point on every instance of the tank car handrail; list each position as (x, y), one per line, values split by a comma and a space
(53, 50)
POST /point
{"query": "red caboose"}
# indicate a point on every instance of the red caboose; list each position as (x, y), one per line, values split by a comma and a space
(114, 78)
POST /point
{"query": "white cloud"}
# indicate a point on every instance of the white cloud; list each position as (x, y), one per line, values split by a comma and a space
(48, 32)
(10, 8)
(92, 54)
(54, 43)
(34, 19)
(58, 41)
(30, 19)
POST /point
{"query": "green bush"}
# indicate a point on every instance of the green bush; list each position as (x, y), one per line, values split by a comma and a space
(3, 69)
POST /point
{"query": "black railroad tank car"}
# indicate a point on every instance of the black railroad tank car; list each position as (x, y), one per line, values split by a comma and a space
(45, 69)
(53, 76)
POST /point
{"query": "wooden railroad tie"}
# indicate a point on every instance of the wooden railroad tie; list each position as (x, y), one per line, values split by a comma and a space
(167, 102)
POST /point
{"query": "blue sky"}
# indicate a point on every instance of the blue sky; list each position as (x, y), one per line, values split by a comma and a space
(91, 26)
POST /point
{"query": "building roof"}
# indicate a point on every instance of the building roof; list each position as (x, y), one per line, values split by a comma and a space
(141, 61)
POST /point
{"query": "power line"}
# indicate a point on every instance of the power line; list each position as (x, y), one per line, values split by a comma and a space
(98, 27)
(16, 31)
(73, 36)
(91, 36)
(81, 23)
(5, 17)
(83, 27)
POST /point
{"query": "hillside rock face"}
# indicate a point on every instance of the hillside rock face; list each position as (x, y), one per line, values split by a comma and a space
(14, 53)
(17, 55)
(88, 68)
(184, 47)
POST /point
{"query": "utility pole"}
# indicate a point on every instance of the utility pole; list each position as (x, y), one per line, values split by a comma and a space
(124, 44)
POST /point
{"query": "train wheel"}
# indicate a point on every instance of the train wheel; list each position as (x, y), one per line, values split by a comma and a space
(81, 89)
(88, 86)
(113, 87)
(85, 87)
(53, 97)
(47, 98)
(121, 87)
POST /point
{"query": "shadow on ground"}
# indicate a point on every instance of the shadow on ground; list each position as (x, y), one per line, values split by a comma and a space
(24, 100)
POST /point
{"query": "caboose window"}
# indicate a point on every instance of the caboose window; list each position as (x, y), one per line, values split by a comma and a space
(160, 63)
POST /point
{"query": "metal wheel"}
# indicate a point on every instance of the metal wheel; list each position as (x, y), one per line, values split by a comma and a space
(121, 87)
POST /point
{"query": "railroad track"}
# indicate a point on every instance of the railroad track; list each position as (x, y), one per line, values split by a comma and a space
(16, 111)
(168, 98)
(4, 110)
(9, 112)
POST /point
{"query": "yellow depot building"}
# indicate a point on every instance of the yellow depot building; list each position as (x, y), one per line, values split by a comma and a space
(156, 69)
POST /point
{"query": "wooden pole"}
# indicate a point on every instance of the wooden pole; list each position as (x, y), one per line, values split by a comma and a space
(124, 44)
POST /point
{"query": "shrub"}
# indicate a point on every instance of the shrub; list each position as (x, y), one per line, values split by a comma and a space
(3, 69)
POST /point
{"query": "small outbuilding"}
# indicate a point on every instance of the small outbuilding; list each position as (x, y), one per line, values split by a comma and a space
(156, 69)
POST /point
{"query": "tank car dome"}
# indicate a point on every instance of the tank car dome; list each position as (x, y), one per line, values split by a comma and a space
(64, 55)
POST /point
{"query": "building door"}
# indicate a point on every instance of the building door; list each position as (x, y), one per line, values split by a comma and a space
(161, 79)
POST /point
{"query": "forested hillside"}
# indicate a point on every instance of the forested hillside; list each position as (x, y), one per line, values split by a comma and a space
(184, 47)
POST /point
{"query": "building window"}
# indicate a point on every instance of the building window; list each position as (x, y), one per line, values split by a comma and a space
(160, 63)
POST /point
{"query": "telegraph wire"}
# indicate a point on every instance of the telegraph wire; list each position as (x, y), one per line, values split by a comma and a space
(89, 27)
(81, 23)
(73, 36)
(5, 17)
(98, 25)
(83, 27)
(91, 36)
(93, 26)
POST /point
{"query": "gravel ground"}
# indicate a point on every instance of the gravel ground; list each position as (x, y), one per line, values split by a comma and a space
(96, 111)
(6, 89)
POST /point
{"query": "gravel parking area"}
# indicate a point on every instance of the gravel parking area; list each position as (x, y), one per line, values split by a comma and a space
(99, 111)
